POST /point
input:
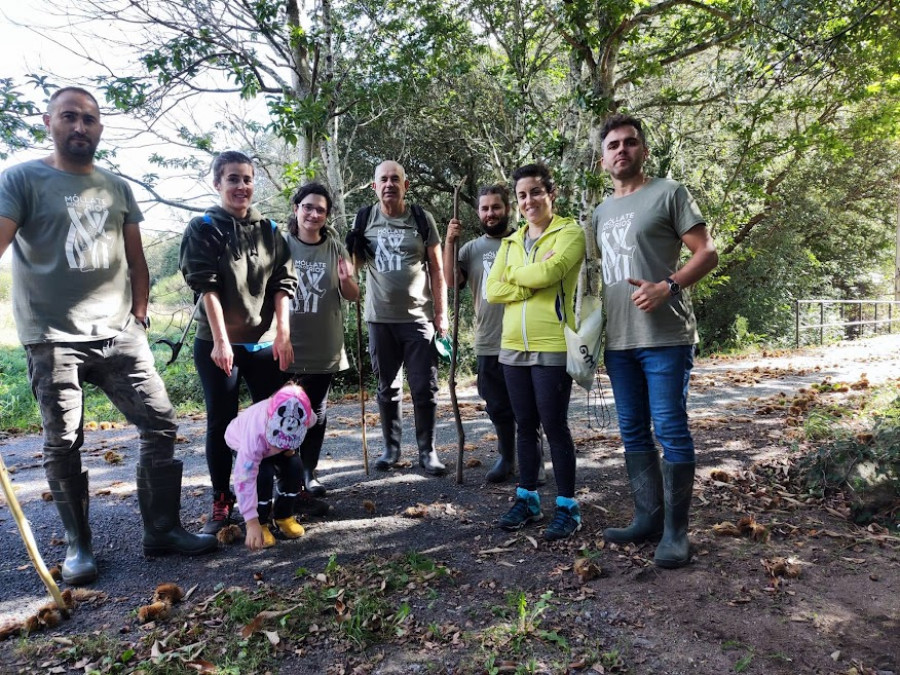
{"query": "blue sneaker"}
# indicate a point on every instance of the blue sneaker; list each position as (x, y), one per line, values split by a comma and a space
(566, 522)
(525, 511)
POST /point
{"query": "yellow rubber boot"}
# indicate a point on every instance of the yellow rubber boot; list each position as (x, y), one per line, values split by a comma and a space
(268, 537)
(290, 528)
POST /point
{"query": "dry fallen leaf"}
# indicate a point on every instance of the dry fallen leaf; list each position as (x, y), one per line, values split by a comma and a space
(726, 529)
(369, 505)
(788, 568)
(472, 462)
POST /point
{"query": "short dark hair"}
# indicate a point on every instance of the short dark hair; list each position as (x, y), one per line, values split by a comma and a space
(619, 120)
(70, 90)
(534, 171)
(311, 188)
(496, 189)
(228, 157)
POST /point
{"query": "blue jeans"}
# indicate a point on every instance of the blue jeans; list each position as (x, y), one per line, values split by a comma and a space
(651, 384)
(540, 397)
(123, 368)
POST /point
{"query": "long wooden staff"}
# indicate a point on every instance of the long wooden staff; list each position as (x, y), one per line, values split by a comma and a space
(28, 538)
(362, 389)
(455, 342)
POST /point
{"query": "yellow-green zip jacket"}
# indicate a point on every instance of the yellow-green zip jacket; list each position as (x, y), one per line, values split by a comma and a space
(539, 294)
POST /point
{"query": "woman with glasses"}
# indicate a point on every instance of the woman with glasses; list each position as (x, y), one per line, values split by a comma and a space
(325, 279)
(240, 263)
(534, 275)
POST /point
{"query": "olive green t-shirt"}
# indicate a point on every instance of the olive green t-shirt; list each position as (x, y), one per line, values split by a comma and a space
(475, 260)
(639, 236)
(71, 280)
(317, 320)
(398, 288)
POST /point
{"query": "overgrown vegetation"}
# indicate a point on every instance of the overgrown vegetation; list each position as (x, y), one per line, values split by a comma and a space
(857, 454)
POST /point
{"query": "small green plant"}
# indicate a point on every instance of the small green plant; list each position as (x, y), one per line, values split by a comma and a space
(241, 606)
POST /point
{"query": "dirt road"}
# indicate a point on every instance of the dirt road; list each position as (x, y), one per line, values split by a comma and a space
(723, 613)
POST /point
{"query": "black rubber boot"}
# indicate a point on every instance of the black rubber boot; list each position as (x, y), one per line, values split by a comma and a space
(647, 493)
(678, 484)
(159, 496)
(71, 498)
(426, 417)
(506, 447)
(392, 431)
(310, 459)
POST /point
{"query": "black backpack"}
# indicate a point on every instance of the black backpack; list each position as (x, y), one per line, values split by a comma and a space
(356, 242)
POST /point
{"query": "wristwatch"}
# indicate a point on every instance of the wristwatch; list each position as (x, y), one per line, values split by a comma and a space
(674, 286)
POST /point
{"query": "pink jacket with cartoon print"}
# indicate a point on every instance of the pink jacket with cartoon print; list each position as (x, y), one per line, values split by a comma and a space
(246, 435)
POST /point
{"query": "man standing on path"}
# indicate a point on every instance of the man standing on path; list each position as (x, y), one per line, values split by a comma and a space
(475, 260)
(650, 332)
(405, 306)
(80, 304)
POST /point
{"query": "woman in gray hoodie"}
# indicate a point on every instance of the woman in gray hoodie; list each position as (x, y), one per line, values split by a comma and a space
(240, 263)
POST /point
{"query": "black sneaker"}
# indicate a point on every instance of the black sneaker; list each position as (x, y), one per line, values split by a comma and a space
(223, 505)
(566, 522)
(523, 512)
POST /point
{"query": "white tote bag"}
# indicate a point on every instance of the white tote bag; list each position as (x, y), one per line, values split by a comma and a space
(583, 346)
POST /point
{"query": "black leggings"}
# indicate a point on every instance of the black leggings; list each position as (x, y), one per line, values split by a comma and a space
(221, 392)
(316, 386)
(540, 398)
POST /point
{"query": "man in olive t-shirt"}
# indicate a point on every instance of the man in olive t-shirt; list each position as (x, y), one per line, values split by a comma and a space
(81, 289)
(650, 332)
(405, 306)
(475, 260)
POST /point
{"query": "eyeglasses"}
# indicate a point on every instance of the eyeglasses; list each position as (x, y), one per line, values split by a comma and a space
(309, 208)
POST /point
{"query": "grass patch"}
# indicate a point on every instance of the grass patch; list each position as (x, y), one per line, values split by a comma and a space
(240, 630)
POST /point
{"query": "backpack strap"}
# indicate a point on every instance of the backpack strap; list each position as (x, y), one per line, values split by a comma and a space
(422, 227)
(362, 219)
(355, 240)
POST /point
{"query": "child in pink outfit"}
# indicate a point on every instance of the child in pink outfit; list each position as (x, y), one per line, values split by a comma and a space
(265, 438)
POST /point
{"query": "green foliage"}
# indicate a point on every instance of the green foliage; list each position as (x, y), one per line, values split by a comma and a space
(18, 409)
(16, 133)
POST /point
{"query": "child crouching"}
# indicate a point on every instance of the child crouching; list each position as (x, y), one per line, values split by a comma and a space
(265, 438)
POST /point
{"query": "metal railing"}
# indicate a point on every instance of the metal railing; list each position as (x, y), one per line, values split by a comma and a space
(845, 319)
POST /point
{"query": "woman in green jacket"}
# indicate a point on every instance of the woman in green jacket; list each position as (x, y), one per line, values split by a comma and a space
(534, 275)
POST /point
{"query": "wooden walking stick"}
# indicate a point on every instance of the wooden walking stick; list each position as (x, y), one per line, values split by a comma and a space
(362, 390)
(28, 538)
(455, 343)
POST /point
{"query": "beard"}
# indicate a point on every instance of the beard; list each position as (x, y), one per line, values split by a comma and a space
(627, 171)
(80, 149)
(497, 229)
